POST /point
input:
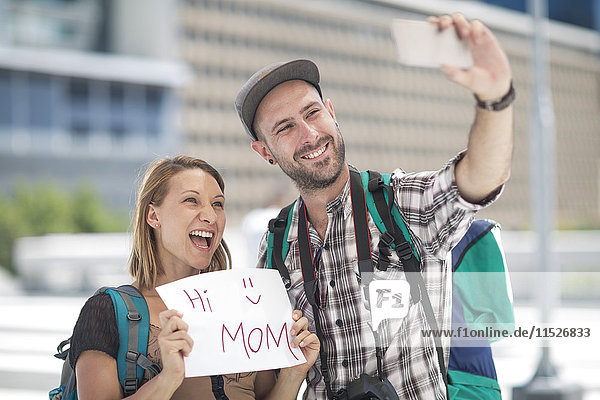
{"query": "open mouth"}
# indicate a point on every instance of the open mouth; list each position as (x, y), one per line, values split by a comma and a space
(316, 153)
(201, 239)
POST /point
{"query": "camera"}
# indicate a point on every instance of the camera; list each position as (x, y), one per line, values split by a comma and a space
(368, 388)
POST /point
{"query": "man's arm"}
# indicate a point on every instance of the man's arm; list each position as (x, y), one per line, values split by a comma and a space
(486, 164)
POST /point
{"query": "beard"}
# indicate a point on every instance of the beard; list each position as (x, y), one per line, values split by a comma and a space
(321, 174)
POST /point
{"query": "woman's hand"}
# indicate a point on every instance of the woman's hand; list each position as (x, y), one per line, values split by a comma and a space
(174, 343)
(290, 378)
(307, 342)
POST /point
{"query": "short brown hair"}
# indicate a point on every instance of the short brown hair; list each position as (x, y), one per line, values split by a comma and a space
(144, 265)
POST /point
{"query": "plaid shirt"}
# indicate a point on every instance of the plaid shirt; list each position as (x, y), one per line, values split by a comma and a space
(437, 217)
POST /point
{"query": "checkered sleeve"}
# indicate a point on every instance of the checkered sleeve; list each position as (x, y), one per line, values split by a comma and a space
(262, 252)
(433, 207)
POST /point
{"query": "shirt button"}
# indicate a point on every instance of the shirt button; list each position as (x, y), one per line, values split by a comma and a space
(345, 363)
(332, 283)
(339, 322)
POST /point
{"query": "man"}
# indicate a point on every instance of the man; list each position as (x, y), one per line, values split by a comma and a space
(282, 110)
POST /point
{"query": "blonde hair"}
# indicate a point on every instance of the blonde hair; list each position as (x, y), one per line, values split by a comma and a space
(144, 265)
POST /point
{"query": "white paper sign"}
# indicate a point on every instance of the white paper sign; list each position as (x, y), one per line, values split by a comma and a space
(421, 44)
(239, 320)
(389, 300)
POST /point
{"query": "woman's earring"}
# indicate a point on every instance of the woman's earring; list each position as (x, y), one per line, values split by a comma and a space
(157, 225)
(336, 124)
(270, 161)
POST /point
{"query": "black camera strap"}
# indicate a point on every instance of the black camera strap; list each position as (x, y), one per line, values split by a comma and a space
(365, 267)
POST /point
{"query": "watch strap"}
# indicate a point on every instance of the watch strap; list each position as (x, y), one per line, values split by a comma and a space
(498, 105)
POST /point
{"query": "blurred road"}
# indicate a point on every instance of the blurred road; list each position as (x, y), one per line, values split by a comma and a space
(30, 330)
(576, 361)
(32, 327)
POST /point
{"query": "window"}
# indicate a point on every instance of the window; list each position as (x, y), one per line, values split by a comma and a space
(80, 107)
(6, 103)
(154, 106)
(39, 100)
(117, 110)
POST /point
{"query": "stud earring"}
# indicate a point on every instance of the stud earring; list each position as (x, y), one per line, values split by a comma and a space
(336, 124)
(157, 225)
(271, 161)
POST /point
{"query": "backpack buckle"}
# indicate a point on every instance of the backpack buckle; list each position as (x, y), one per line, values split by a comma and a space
(133, 316)
(276, 222)
(130, 385)
(404, 251)
(132, 356)
(153, 370)
(386, 238)
(375, 184)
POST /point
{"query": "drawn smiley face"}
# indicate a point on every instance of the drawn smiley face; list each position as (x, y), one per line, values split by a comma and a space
(250, 287)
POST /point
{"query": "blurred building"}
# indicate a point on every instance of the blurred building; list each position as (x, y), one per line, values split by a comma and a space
(79, 101)
(111, 100)
(390, 115)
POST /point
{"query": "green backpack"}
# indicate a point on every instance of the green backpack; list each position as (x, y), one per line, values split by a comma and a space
(462, 376)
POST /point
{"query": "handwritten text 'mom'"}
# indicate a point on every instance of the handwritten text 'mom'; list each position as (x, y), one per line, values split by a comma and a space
(256, 339)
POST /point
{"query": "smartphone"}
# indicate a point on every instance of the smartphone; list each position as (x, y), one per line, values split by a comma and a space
(422, 44)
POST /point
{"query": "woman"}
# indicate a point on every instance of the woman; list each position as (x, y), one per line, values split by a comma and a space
(177, 232)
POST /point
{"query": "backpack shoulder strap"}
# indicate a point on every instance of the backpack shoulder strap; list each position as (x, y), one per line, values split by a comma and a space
(380, 203)
(133, 323)
(277, 245)
(377, 203)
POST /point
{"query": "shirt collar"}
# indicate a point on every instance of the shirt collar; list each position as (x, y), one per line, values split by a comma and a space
(341, 200)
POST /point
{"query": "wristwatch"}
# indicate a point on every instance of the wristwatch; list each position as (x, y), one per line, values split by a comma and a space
(498, 105)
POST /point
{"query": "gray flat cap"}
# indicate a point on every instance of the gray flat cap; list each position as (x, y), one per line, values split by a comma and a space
(261, 83)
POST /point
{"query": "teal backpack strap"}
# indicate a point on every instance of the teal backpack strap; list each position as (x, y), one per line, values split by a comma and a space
(380, 203)
(372, 181)
(277, 244)
(133, 323)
